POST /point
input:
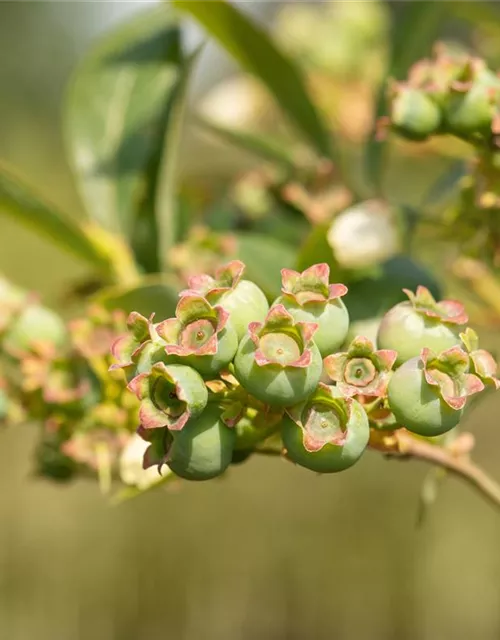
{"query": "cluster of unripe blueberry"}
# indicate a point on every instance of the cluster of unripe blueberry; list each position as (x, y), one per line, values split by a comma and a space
(228, 372)
(453, 94)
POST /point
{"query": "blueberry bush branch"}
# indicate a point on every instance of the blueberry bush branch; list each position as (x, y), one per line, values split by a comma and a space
(270, 389)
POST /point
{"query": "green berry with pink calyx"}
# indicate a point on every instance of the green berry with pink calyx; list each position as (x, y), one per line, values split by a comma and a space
(278, 362)
(421, 322)
(413, 114)
(203, 449)
(170, 395)
(472, 102)
(482, 363)
(200, 335)
(139, 349)
(309, 297)
(327, 433)
(243, 299)
(160, 443)
(361, 370)
(427, 394)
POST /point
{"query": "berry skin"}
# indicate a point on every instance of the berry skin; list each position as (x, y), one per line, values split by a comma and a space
(242, 299)
(427, 394)
(278, 362)
(421, 322)
(414, 114)
(308, 297)
(327, 433)
(203, 449)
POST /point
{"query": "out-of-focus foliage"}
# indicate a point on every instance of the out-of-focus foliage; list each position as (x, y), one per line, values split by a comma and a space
(147, 231)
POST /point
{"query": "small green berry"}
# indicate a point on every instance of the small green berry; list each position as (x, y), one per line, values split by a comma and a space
(203, 449)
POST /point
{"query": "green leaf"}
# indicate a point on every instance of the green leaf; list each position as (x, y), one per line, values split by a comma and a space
(254, 50)
(20, 201)
(264, 258)
(316, 249)
(486, 14)
(120, 106)
(262, 147)
(446, 184)
(155, 294)
(411, 38)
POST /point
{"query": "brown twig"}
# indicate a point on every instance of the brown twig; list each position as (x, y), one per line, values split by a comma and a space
(446, 458)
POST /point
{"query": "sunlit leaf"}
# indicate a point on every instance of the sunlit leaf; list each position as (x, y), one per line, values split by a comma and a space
(412, 37)
(121, 105)
(25, 206)
(254, 50)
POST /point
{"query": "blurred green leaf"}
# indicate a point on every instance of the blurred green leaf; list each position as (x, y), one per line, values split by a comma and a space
(264, 148)
(446, 184)
(316, 249)
(373, 296)
(255, 51)
(264, 257)
(167, 202)
(155, 294)
(18, 200)
(120, 106)
(482, 13)
(411, 38)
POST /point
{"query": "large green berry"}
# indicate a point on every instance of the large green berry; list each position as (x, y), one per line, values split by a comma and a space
(327, 433)
(200, 335)
(473, 101)
(203, 450)
(413, 113)
(427, 394)
(36, 327)
(309, 297)
(243, 300)
(278, 362)
(421, 322)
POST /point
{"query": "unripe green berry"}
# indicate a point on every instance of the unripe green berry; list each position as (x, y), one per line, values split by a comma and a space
(413, 114)
(421, 322)
(276, 384)
(246, 303)
(328, 434)
(203, 449)
(417, 405)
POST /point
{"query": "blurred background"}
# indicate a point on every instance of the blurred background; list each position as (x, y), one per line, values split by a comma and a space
(270, 551)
